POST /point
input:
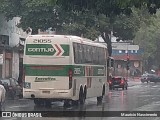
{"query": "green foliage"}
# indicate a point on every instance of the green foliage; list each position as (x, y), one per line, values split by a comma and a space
(41, 14)
(10, 8)
(148, 37)
(108, 7)
(88, 18)
(126, 26)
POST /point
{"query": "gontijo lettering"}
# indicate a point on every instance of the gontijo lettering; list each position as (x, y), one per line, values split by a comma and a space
(47, 49)
(40, 49)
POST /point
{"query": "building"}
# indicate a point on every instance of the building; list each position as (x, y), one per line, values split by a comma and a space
(11, 47)
(120, 52)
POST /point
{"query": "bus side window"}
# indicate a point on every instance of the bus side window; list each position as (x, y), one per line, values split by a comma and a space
(76, 57)
(94, 55)
(85, 53)
(80, 53)
(88, 54)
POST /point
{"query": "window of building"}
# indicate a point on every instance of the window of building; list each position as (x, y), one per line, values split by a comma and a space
(4, 39)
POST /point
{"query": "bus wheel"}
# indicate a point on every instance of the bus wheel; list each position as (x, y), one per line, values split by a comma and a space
(66, 103)
(81, 96)
(75, 102)
(103, 91)
(85, 92)
(99, 99)
(47, 103)
(38, 101)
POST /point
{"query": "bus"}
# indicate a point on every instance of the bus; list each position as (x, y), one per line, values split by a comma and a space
(64, 68)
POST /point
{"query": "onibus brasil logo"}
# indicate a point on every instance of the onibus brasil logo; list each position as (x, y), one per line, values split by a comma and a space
(47, 49)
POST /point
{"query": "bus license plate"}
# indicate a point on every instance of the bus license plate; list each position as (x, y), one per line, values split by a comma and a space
(46, 92)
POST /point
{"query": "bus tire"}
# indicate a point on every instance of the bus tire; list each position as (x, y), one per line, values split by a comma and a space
(66, 103)
(75, 102)
(103, 91)
(81, 96)
(38, 102)
(47, 103)
(99, 99)
(85, 93)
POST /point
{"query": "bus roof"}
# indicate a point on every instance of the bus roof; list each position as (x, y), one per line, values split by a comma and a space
(72, 38)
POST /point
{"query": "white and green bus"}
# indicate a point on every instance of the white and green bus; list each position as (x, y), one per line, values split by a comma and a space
(61, 67)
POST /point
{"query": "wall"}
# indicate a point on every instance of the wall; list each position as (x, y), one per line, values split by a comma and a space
(10, 28)
(120, 53)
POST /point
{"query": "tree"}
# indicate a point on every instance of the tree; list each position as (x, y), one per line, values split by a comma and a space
(108, 7)
(86, 22)
(148, 38)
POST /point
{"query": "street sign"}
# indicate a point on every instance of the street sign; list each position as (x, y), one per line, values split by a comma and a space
(125, 47)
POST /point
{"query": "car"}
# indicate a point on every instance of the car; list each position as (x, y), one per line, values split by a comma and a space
(118, 82)
(145, 78)
(13, 89)
(154, 78)
(2, 96)
(150, 78)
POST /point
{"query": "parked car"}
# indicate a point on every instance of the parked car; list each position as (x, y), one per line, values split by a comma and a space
(2, 96)
(150, 78)
(118, 82)
(13, 89)
(155, 78)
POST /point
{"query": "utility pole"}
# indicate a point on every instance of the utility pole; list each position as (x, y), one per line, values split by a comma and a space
(128, 62)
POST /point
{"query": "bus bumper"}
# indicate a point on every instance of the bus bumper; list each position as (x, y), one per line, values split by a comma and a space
(47, 94)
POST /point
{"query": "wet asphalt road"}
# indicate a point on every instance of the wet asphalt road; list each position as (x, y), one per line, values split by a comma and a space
(138, 97)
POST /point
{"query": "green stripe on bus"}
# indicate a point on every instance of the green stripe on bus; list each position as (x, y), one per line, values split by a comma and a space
(66, 50)
(62, 70)
(49, 70)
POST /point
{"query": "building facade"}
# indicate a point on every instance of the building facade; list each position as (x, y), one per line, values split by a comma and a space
(11, 47)
(121, 51)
